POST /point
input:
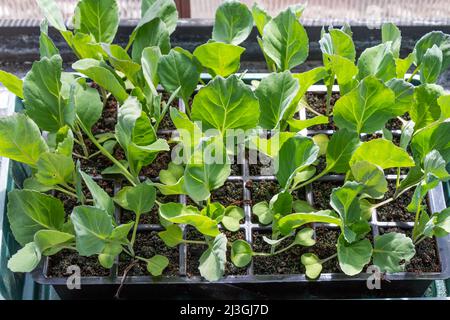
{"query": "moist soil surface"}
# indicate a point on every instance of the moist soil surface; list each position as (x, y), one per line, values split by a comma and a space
(194, 252)
(426, 258)
(230, 194)
(89, 266)
(321, 192)
(166, 122)
(151, 217)
(289, 262)
(317, 101)
(260, 165)
(395, 211)
(147, 245)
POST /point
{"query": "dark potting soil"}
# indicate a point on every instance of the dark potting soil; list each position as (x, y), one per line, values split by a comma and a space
(70, 202)
(321, 192)
(317, 101)
(194, 252)
(166, 122)
(260, 165)
(59, 263)
(426, 258)
(396, 124)
(151, 217)
(147, 245)
(161, 162)
(236, 166)
(325, 247)
(230, 194)
(287, 262)
(396, 210)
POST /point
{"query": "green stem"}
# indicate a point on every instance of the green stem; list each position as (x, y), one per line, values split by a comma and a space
(397, 182)
(133, 180)
(104, 96)
(414, 73)
(320, 175)
(136, 223)
(416, 219)
(419, 240)
(329, 93)
(73, 195)
(329, 258)
(81, 142)
(195, 242)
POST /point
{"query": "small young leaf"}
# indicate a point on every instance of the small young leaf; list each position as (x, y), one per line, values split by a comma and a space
(295, 220)
(371, 177)
(431, 65)
(220, 59)
(305, 237)
(263, 212)
(261, 17)
(391, 33)
(438, 38)
(298, 125)
(50, 242)
(53, 169)
(241, 253)
(52, 13)
(172, 236)
(139, 199)
(377, 61)
(340, 149)
(426, 109)
(312, 264)
(157, 264)
(232, 217)
(281, 203)
(151, 34)
(101, 199)
(12, 83)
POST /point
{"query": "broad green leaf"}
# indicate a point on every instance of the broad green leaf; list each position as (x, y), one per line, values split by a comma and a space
(338, 42)
(109, 254)
(392, 251)
(172, 236)
(53, 169)
(365, 109)
(426, 109)
(26, 259)
(226, 104)
(157, 264)
(431, 65)
(21, 140)
(121, 61)
(33, 184)
(271, 146)
(233, 23)
(438, 38)
(263, 212)
(340, 149)
(444, 103)
(407, 134)
(87, 104)
(260, 17)
(305, 237)
(281, 203)
(121, 232)
(219, 58)
(176, 70)
(12, 83)
(165, 10)
(52, 13)
(371, 177)
(442, 223)
(151, 34)
(85, 46)
(307, 79)
(321, 140)
(298, 125)
(434, 137)
(212, 261)
(391, 33)
(383, 153)
(313, 265)
(101, 74)
(149, 62)
(302, 206)
(404, 96)
(180, 214)
(50, 242)
(276, 94)
(207, 170)
(353, 256)
(241, 253)
(295, 220)
(190, 133)
(344, 69)
(173, 173)
(377, 61)
(42, 92)
(46, 46)
(99, 18)
(232, 218)
(285, 41)
(139, 199)
(92, 227)
(101, 199)
(31, 211)
(295, 155)
(344, 200)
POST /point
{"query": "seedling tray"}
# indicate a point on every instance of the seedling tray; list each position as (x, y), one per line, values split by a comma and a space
(251, 285)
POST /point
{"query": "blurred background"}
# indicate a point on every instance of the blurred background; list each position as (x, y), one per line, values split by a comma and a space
(416, 12)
